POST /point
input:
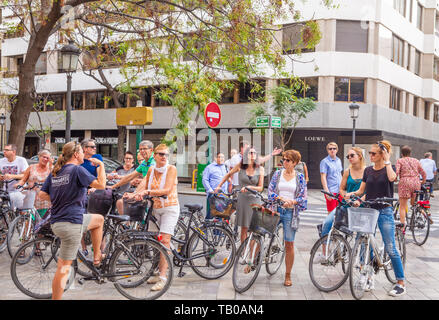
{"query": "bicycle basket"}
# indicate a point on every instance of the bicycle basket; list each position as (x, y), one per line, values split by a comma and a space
(43, 226)
(221, 206)
(135, 209)
(263, 220)
(363, 219)
(341, 218)
(100, 202)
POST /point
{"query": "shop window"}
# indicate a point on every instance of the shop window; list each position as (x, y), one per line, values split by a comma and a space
(54, 102)
(348, 90)
(292, 41)
(351, 36)
(253, 90)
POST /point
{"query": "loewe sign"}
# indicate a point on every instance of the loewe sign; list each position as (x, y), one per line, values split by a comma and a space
(315, 139)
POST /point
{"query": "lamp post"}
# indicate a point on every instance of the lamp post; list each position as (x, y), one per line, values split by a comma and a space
(2, 124)
(70, 56)
(355, 110)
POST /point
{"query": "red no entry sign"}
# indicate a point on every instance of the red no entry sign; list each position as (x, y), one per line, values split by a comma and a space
(212, 115)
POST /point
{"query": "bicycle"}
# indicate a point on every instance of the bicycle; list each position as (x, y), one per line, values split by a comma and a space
(21, 228)
(208, 247)
(335, 251)
(131, 260)
(252, 252)
(6, 215)
(367, 257)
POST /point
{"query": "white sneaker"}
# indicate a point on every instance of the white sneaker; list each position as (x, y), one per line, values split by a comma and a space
(370, 285)
(398, 290)
(319, 258)
(153, 280)
(159, 285)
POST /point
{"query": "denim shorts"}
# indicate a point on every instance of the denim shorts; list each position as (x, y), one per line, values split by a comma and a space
(286, 215)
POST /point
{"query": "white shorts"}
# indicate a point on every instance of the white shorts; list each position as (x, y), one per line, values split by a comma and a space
(167, 219)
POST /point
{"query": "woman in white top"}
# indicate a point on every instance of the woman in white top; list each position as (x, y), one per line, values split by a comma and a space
(289, 186)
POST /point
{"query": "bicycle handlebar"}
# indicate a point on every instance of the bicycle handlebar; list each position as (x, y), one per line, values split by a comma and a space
(265, 200)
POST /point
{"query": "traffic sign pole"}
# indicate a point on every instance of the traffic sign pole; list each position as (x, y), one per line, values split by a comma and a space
(212, 116)
(270, 146)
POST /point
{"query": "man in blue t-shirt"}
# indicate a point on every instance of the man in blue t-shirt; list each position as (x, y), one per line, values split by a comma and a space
(89, 148)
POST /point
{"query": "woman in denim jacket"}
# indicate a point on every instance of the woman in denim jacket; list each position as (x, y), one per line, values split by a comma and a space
(289, 186)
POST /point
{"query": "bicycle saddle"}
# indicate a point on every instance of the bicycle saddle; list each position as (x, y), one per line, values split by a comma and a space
(118, 217)
(194, 207)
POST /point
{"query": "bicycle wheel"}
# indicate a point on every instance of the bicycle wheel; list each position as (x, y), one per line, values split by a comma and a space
(20, 231)
(211, 252)
(360, 268)
(329, 261)
(179, 234)
(401, 246)
(276, 251)
(34, 278)
(420, 225)
(133, 263)
(4, 226)
(248, 263)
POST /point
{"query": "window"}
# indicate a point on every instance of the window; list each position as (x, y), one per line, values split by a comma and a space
(399, 6)
(309, 90)
(436, 69)
(95, 100)
(410, 11)
(397, 51)
(408, 57)
(419, 16)
(415, 106)
(123, 101)
(228, 96)
(54, 102)
(144, 94)
(159, 102)
(77, 100)
(426, 110)
(41, 65)
(395, 98)
(348, 90)
(436, 113)
(351, 36)
(417, 62)
(292, 41)
(250, 91)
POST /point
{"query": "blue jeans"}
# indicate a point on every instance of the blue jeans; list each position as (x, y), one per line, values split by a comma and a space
(327, 225)
(286, 215)
(386, 223)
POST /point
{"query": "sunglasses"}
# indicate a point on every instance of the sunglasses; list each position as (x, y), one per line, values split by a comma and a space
(93, 147)
(161, 154)
(352, 155)
(286, 160)
(332, 148)
(372, 153)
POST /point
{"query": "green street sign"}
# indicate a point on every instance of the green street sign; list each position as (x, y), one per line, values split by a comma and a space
(262, 121)
(276, 122)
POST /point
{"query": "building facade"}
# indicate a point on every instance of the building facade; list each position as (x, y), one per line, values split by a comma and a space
(384, 55)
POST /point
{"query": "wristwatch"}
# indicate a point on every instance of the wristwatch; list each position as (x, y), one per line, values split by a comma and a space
(387, 163)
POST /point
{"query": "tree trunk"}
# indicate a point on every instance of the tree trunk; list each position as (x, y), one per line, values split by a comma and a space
(121, 138)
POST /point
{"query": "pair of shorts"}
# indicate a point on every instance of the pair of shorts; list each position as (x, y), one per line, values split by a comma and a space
(286, 216)
(70, 235)
(167, 219)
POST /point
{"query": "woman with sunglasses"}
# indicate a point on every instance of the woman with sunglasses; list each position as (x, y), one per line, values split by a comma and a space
(250, 175)
(66, 188)
(350, 182)
(161, 180)
(289, 186)
(377, 183)
(37, 173)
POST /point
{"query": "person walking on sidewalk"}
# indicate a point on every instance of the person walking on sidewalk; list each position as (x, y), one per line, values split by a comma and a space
(429, 166)
(212, 176)
(289, 186)
(377, 183)
(66, 189)
(330, 174)
(251, 175)
(408, 170)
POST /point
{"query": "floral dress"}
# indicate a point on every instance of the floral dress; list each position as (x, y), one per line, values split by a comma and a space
(408, 170)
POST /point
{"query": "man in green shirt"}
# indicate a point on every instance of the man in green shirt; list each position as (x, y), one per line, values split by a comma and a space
(146, 148)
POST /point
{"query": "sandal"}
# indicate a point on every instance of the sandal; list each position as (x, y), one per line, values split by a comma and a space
(38, 253)
(247, 269)
(288, 282)
(98, 262)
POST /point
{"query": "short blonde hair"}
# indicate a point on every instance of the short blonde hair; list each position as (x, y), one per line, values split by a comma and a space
(161, 146)
(332, 143)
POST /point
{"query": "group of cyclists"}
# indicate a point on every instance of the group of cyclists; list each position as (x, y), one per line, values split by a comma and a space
(67, 184)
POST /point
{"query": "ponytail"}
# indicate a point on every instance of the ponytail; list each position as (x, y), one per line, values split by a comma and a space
(68, 151)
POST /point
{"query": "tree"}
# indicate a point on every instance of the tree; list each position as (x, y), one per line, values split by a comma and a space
(287, 106)
(227, 38)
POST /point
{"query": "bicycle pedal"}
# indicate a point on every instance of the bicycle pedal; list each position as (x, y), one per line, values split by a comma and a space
(81, 281)
(181, 274)
(100, 281)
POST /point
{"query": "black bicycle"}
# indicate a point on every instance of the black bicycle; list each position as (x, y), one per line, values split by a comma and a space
(132, 258)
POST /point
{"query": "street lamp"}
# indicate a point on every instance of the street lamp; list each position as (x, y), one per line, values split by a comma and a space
(70, 56)
(355, 110)
(2, 124)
